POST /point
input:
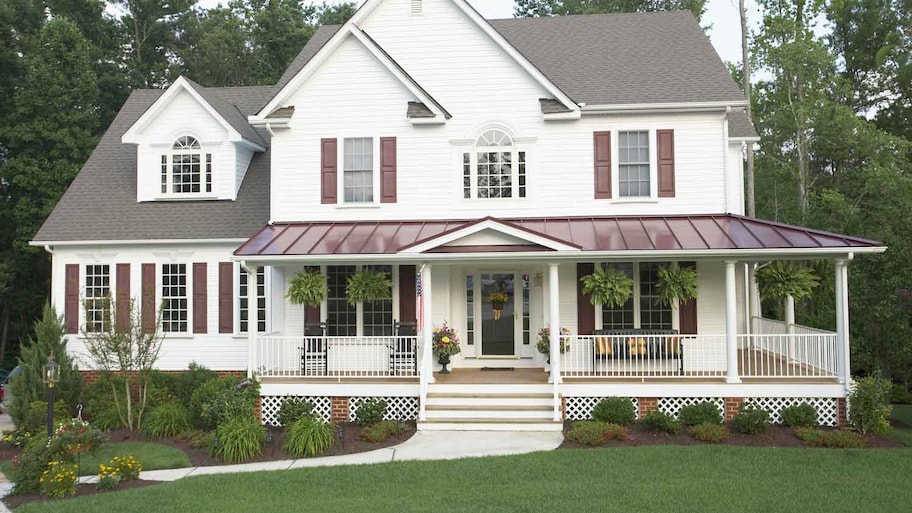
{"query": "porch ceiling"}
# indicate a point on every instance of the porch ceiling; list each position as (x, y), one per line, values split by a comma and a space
(724, 233)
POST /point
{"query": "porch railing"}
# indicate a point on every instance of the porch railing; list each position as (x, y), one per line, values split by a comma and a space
(337, 357)
(795, 355)
(644, 356)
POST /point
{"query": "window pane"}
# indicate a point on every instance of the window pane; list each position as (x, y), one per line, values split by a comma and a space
(358, 165)
(619, 318)
(341, 317)
(470, 310)
(244, 301)
(97, 297)
(653, 313)
(174, 298)
(378, 315)
(633, 164)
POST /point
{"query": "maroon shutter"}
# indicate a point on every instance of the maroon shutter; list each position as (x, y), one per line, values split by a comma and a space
(407, 310)
(226, 297)
(666, 152)
(687, 310)
(328, 169)
(387, 170)
(148, 297)
(602, 155)
(312, 313)
(585, 310)
(71, 298)
(122, 304)
(199, 297)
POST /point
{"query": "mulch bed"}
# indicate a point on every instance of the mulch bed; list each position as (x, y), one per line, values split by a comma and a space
(776, 436)
(14, 501)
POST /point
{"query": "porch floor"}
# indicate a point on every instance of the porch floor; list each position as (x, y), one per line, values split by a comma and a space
(465, 376)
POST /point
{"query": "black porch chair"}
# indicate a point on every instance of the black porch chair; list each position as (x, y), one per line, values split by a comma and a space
(404, 349)
(314, 353)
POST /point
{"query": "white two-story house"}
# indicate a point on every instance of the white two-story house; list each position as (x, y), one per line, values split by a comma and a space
(462, 157)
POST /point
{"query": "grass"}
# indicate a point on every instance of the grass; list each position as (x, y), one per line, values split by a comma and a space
(703, 479)
(151, 456)
(903, 413)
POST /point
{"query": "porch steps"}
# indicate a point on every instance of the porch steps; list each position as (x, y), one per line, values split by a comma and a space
(487, 407)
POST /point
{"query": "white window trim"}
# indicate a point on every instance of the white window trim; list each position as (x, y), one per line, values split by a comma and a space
(340, 171)
(520, 145)
(359, 308)
(616, 165)
(267, 276)
(675, 313)
(160, 297)
(166, 149)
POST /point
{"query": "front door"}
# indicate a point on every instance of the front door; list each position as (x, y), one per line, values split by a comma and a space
(499, 314)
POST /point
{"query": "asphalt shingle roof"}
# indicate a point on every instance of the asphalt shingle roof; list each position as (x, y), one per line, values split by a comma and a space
(230, 112)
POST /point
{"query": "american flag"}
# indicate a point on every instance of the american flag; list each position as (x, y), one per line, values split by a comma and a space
(419, 304)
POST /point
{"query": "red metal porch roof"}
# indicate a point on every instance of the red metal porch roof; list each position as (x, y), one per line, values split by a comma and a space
(639, 233)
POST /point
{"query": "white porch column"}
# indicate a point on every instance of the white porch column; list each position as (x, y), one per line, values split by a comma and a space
(731, 322)
(842, 322)
(426, 372)
(251, 320)
(753, 295)
(790, 327)
(554, 323)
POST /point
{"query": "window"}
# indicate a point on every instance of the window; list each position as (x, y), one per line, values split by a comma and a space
(470, 309)
(633, 164)
(187, 170)
(174, 298)
(244, 301)
(496, 169)
(97, 298)
(526, 314)
(377, 316)
(370, 319)
(643, 310)
(358, 170)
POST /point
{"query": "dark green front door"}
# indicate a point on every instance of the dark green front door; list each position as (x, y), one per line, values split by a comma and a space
(498, 321)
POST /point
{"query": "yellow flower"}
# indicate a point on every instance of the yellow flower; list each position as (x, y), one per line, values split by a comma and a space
(445, 340)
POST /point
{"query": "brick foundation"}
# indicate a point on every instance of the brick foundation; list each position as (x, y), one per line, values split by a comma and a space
(841, 415)
(339, 409)
(646, 405)
(563, 407)
(732, 407)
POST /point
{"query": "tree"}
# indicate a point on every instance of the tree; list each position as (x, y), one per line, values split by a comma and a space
(149, 38)
(214, 49)
(336, 14)
(127, 348)
(27, 387)
(746, 87)
(537, 8)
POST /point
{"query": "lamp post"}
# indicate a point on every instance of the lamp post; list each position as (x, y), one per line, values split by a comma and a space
(50, 378)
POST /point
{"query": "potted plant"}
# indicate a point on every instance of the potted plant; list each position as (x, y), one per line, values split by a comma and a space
(781, 280)
(367, 285)
(445, 343)
(608, 287)
(677, 284)
(307, 288)
(498, 300)
(544, 341)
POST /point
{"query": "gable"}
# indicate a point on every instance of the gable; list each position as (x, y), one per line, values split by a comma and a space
(182, 114)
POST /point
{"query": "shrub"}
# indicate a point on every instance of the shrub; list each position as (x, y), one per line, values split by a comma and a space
(220, 400)
(799, 415)
(869, 405)
(187, 382)
(292, 410)
(32, 463)
(35, 421)
(370, 412)
(751, 420)
(700, 413)
(615, 410)
(839, 439)
(239, 439)
(900, 395)
(202, 439)
(594, 433)
(99, 402)
(16, 437)
(660, 421)
(58, 480)
(381, 431)
(167, 419)
(118, 470)
(309, 436)
(711, 432)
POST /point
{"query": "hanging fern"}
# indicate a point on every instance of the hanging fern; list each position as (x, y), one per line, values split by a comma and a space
(307, 288)
(677, 284)
(608, 287)
(367, 285)
(780, 280)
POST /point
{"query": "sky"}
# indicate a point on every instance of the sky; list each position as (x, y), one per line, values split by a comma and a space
(722, 15)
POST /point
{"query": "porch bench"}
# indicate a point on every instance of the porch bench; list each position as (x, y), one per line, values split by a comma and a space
(651, 344)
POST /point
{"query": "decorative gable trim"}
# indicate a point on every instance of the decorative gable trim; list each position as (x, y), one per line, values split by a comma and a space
(489, 223)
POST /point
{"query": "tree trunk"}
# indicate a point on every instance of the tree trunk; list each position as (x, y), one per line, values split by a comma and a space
(746, 77)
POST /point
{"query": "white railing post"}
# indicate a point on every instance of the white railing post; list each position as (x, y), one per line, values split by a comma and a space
(731, 323)
(426, 369)
(554, 304)
(842, 322)
(251, 320)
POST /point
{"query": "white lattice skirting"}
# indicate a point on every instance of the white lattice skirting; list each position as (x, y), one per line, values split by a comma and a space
(270, 405)
(673, 405)
(827, 411)
(580, 408)
(397, 408)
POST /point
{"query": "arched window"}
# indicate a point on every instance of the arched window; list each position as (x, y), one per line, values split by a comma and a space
(182, 169)
(496, 169)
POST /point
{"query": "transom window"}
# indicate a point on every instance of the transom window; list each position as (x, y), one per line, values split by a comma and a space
(174, 298)
(97, 297)
(496, 169)
(358, 170)
(186, 170)
(369, 319)
(259, 298)
(643, 310)
(633, 164)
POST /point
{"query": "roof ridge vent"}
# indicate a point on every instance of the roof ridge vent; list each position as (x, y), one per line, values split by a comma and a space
(416, 7)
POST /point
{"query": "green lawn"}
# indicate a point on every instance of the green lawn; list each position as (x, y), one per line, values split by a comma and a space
(903, 413)
(151, 456)
(700, 479)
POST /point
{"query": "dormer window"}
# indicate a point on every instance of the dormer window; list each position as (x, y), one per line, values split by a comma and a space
(186, 169)
(496, 169)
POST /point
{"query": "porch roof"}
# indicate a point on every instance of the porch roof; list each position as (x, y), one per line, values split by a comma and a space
(681, 233)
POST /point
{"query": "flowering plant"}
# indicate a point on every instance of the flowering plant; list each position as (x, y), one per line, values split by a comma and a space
(16, 437)
(544, 341)
(498, 298)
(118, 470)
(58, 480)
(445, 341)
(76, 436)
